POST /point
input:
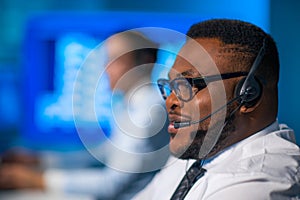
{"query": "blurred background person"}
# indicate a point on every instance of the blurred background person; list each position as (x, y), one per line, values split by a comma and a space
(137, 128)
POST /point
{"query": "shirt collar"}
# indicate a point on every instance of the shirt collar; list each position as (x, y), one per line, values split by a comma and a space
(226, 152)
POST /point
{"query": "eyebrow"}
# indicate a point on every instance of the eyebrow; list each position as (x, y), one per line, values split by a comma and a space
(187, 73)
(190, 73)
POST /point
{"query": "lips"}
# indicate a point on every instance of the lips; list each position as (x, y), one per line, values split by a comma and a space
(171, 129)
(174, 118)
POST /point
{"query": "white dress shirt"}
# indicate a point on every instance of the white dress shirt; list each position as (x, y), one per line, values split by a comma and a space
(264, 166)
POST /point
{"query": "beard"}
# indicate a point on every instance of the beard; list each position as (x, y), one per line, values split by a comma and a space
(193, 150)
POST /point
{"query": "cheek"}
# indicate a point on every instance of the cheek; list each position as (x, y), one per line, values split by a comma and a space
(202, 105)
(230, 90)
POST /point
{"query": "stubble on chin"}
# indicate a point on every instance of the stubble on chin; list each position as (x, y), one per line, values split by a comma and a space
(192, 151)
(180, 147)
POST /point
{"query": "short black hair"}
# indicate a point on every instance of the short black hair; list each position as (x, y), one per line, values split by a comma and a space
(247, 39)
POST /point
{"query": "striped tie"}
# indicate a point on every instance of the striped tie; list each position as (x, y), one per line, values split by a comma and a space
(194, 173)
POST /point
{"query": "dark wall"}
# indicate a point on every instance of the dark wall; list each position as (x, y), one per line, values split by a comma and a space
(285, 28)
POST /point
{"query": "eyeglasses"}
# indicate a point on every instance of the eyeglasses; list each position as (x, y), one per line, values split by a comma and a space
(186, 88)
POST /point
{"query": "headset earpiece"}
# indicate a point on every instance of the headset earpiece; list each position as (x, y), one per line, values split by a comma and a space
(249, 89)
(251, 93)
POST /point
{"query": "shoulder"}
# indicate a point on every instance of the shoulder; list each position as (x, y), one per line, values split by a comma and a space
(261, 167)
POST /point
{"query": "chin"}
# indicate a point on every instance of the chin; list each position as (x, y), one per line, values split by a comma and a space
(187, 150)
(185, 154)
(178, 150)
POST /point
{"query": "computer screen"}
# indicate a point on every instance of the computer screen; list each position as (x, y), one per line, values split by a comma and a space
(55, 46)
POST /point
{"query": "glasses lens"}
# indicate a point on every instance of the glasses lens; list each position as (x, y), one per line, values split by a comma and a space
(164, 88)
(182, 88)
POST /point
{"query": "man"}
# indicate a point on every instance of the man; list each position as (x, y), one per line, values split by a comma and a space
(222, 103)
(131, 58)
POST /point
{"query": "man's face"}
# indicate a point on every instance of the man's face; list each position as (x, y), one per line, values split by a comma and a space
(186, 142)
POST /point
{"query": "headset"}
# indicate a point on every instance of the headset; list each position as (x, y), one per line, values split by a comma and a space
(247, 91)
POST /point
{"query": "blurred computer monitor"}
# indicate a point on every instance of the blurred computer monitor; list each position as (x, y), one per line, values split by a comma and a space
(55, 45)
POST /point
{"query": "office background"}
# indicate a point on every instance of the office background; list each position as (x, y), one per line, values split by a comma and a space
(280, 18)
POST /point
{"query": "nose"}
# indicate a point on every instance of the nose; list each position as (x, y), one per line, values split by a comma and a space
(172, 102)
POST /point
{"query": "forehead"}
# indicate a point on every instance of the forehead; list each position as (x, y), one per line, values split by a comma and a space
(197, 58)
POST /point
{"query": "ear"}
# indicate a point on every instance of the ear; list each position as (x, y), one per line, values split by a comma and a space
(245, 109)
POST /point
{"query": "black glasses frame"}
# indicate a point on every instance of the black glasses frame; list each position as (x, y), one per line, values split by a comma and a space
(199, 82)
